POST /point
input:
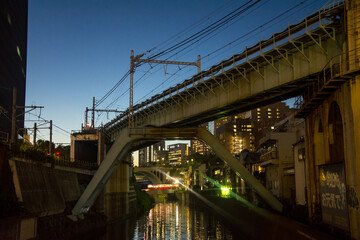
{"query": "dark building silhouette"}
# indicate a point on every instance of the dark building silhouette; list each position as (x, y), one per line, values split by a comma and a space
(13, 50)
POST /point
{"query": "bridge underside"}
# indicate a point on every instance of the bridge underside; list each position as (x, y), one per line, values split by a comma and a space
(151, 176)
(126, 141)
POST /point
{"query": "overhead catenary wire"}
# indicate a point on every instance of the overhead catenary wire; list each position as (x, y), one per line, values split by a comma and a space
(207, 31)
(212, 27)
(47, 121)
(187, 29)
(237, 39)
(205, 18)
(195, 37)
(191, 44)
(113, 88)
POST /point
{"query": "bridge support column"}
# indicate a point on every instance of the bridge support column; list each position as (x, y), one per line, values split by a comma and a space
(353, 160)
(117, 193)
(125, 143)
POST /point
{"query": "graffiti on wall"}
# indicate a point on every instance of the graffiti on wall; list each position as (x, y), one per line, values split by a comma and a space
(353, 199)
(333, 195)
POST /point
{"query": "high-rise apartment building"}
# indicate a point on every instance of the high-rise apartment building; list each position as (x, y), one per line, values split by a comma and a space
(178, 153)
(13, 49)
(153, 154)
(265, 118)
(243, 131)
(160, 153)
(198, 146)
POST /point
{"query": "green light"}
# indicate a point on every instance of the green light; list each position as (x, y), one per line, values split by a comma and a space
(225, 192)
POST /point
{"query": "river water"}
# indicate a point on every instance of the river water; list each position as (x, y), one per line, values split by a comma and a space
(172, 220)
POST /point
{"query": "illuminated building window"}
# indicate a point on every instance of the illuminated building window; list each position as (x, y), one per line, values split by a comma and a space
(269, 116)
(269, 109)
(278, 117)
(258, 109)
(272, 127)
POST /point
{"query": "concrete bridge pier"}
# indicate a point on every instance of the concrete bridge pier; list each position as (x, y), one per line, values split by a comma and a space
(118, 199)
(333, 140)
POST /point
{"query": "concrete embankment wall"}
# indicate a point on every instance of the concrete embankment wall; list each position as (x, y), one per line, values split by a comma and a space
(43, 190)
(46, 195)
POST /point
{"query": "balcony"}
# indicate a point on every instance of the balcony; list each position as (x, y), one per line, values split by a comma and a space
(270, 157)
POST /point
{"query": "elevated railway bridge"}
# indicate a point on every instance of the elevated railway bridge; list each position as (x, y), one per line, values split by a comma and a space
(316, 59)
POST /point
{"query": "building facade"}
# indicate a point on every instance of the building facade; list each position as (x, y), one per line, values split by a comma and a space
(278, 160)
(243, 131)
(178, 154)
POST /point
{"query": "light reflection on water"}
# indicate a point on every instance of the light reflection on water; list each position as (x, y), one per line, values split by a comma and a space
(177, 220)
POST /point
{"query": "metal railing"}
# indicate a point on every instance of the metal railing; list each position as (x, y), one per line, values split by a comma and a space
(341, 66)
(54, 161)
(272, 154)
(76, 164)
(315, 18)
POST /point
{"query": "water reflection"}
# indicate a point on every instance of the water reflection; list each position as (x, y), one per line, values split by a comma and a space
(178, 220)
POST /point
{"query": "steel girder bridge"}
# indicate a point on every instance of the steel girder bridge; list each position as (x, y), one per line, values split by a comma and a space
(274, 69)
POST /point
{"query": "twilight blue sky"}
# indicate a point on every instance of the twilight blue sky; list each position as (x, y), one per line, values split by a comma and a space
(78, 49)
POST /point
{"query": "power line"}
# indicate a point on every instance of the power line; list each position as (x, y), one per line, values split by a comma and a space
(212, 27)
(239, 38)
(187, 29)
(208, 30)
(113, 89)
(49, 122)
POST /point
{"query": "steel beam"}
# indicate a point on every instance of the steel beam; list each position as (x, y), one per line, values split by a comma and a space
(128, 137)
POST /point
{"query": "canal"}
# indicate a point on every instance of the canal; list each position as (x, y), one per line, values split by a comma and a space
(185, 218)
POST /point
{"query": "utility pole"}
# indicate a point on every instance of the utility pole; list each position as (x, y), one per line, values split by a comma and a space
(93, 114)
(199, 64)
(50, 147)
(86, 116)
(13, 117)
(35, 134)
(132, 70)
(96, 110)
(134, 61)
